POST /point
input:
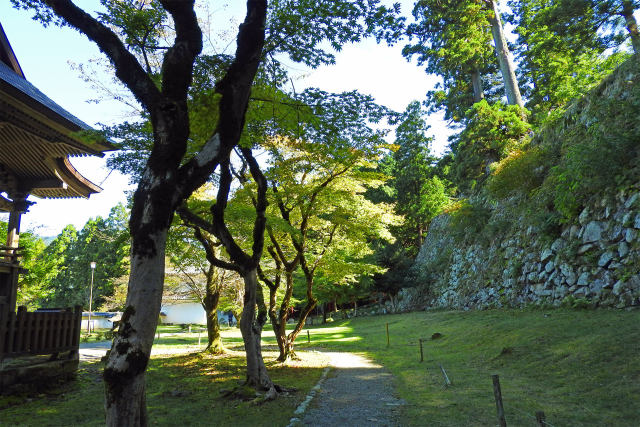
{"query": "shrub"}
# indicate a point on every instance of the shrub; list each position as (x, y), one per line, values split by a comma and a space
(468, 219)
(599, 154)
(522, 171)
(491, 133)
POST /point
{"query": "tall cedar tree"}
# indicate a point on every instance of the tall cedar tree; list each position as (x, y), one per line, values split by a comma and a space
(454, 41)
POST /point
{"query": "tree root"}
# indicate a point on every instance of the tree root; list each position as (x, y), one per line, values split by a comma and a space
(217, 350)
(257, 395)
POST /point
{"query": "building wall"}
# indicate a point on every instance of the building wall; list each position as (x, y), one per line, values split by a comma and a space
(97, 323)
(184, 313)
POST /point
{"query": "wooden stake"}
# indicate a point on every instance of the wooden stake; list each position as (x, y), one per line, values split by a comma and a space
(388, 342)
(541, 419)
(421, 352)
(447, 382)
(498, 395)
(308, 337)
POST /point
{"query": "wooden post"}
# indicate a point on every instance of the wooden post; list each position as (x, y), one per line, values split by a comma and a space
(421, 352)
(447, 381)
(498, 395)
(541, 419)
(308, 337)
(3, 330)
(77, 314)
(13, 319)
(20, 328)
(388, 342)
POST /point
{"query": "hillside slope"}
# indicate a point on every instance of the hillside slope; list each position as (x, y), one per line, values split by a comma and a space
(558, 222)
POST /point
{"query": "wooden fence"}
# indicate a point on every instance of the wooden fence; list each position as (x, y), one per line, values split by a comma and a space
(10, 255)
(39, 332)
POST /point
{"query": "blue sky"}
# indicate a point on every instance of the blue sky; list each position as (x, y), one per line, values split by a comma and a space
(45, 55)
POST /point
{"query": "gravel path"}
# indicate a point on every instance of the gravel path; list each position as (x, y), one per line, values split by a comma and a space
(357, 392)
(96, 350)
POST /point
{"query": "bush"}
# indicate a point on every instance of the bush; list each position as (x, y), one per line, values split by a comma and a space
(468, 219)
(599, 154)
(520, 172)
(491, 133)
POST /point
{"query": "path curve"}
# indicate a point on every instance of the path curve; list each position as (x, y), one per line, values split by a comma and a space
(357, 392)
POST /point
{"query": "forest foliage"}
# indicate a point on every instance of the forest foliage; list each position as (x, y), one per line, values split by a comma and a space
(560, 50)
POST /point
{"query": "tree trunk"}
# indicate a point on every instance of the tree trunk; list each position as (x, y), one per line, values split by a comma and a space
(632, 25)
(251, 325)
(507, 68)
(124, 373)
(214, 344)
(324, 312)
(279, 320)
(210, 303)
(478, 91)
(276, 324)
(291, 338)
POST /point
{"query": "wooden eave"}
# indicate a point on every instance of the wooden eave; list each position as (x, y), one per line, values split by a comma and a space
(37, 137)
(7, 55)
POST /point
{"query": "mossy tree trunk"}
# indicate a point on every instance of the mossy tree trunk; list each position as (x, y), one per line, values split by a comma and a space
(210, 303)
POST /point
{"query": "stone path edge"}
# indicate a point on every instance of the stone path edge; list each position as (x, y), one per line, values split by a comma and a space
(302, 407)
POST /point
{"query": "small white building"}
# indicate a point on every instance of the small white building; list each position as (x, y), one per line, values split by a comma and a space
(100, 320)
(183, 312)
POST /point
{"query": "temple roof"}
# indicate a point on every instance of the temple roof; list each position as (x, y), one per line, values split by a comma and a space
(37, 137)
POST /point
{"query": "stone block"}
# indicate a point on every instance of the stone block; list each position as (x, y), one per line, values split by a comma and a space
(570, 278)
(581, 292)
(549, 266)
(605, 259)
(546, 254)
(574, 231)
(631, 200)
(630, 235)
(616, 233)
(584, 279)
(584, 216)
(558, 245)
(623, 249)
(597, 286)
(592, 232)
(585, 248)
(619, 287)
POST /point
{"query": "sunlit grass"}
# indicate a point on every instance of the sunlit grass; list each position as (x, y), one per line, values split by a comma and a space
(181, 390)
(579, 367)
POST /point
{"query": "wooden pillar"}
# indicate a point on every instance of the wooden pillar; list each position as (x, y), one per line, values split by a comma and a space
(20, 206)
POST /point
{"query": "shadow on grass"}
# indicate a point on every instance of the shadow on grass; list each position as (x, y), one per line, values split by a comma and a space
(181, 389)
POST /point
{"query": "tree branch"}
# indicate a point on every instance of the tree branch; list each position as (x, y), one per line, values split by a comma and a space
(260, 204)
(177, 67)
(127, 67)
(235, 88)
(211, 257)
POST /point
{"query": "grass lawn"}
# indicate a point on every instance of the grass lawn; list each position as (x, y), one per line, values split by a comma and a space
(181, 389)
(579, 367)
